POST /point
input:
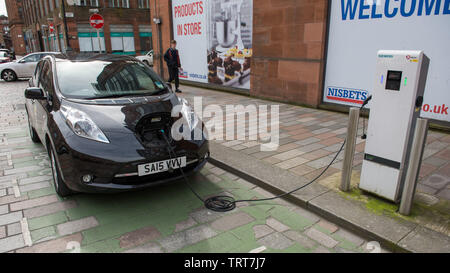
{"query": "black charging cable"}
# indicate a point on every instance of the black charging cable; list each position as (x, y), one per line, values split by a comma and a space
(228, 203)
(364, 135)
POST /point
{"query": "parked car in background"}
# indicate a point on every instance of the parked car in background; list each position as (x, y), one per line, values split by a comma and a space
(147, 58)
(23, 68)
(4, 57)
(106, 122)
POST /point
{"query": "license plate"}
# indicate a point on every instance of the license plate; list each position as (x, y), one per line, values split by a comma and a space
(162, 166)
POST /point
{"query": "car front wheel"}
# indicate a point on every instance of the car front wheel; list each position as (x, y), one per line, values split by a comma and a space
(9, 75)
(60, 187)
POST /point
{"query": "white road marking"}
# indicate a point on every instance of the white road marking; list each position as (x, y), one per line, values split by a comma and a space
(258, 250)
(15, 188)
(26, 232)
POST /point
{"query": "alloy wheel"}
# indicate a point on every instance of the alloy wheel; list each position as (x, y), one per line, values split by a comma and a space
(8, 76)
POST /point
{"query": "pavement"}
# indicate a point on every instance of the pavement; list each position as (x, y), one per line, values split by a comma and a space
(166, 218)
(309, 140)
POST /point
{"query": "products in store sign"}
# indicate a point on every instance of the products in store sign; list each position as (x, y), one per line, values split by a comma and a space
(189, 10)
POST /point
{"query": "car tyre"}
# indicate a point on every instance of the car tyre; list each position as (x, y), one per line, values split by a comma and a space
(9, 75)
(146, 62)
(61, 189)
(33, 135)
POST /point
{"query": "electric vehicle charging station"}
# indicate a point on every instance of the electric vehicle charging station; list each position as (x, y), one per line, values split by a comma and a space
(397, 99)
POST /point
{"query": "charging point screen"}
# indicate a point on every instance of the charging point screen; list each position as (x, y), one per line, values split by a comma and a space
(394, 80)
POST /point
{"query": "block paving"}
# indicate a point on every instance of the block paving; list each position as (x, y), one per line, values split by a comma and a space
(169, 218)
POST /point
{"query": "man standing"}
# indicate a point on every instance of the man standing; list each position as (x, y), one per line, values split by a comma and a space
(172, 58)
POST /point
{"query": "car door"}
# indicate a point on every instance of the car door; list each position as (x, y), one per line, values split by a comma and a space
(44, 107)
(31, 104)
(27, 65)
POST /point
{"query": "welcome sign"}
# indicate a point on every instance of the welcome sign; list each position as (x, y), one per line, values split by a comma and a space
(359, 28)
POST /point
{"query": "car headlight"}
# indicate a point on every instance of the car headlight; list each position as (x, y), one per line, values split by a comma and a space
(189, 114)
(82, 125)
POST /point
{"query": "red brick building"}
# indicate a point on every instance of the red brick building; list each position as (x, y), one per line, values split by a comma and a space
(127, 27)
(15, 17)
(5, 37)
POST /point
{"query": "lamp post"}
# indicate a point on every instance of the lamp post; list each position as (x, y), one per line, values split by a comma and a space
(66, 30)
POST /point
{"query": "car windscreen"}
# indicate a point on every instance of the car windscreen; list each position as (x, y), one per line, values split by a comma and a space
(104, 79)
(3, 54)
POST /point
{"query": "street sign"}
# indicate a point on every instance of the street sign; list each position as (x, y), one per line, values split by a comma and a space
(97, 21)
(51, 27)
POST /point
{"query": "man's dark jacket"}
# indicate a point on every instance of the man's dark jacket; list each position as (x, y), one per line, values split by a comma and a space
(172, 58)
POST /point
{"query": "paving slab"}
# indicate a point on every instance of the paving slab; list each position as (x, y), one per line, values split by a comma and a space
(353, 212)
(425, 240)
(147, 248)
(77, 226)
(11, 243)
(232, 221)
(187, 237)
(276, 241)
(321, 238)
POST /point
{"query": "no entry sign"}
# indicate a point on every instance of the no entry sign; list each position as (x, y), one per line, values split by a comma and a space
(97, 21)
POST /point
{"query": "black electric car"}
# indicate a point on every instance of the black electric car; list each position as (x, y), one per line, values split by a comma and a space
(107, 122)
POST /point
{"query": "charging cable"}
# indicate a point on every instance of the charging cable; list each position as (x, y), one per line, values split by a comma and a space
(364, 135)
(228, 203)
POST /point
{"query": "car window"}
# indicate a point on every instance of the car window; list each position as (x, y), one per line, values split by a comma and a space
(95, 79)
(46, 78)
(37, 71)
(31, 59)
(3, 54)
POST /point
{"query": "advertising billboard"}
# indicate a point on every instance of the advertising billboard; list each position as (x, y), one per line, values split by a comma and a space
(214, 38)
(359, 28)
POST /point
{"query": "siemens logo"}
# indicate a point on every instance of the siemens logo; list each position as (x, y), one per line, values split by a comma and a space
(364, 9)
(347, 95)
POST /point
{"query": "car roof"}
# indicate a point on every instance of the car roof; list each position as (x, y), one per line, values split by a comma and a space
(91, 57)
(46, 52)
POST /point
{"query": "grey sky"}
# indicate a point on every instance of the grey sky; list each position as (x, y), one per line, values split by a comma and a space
(2, 7)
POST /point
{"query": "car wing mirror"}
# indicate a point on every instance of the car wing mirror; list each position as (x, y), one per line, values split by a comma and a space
(35, 93)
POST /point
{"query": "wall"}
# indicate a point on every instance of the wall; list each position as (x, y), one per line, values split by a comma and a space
(161, 41)
(288, 47)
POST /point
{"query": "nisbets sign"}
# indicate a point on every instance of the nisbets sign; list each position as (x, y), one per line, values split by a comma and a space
(347, 95)
(374, 9)
(184, 75)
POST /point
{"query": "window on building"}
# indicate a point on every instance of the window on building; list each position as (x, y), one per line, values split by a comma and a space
(122, 39)
(144, 4)
(145, 38)
(92, 3)
(118, 3)
(57, 4)
(45, 7)
(88, 39)
(50, 2)
(62, 42)
(41, 8)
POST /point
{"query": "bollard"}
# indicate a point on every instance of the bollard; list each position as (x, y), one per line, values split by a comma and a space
(415, 160)
(352, 132)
